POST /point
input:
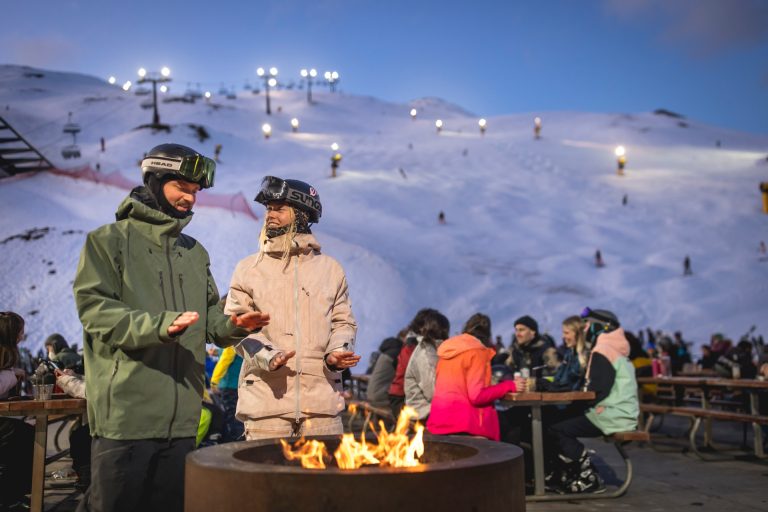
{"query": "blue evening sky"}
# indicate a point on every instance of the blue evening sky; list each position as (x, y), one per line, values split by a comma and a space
(706, 59)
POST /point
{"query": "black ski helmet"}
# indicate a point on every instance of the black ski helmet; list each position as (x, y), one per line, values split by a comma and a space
(294, 192)
(181, 161)
(600, 321)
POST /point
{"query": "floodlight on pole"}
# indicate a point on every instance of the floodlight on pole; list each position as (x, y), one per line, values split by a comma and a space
(621, 154)
(309, 75)
(270, 80)
(295, 125)
(112, 80)
(155, 78)
(483, 124)
(266, 129)
(331, 77)
(127, 85)
(439, 125)
(414, 112)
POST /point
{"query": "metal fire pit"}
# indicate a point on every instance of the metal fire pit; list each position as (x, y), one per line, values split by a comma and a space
(458, 473)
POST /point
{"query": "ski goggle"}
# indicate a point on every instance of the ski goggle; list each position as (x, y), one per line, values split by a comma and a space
(272, 189)
(197, 169)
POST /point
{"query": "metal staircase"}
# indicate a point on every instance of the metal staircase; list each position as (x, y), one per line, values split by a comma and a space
(17, 155)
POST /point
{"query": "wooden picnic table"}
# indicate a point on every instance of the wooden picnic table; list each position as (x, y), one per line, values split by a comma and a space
(41, 410)
(535, 400)
(706, 384)
(359, 385)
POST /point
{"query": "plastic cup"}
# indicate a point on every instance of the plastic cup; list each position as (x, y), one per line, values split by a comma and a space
(42, 391)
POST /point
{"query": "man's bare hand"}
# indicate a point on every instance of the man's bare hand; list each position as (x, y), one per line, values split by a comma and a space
(280, 359)
(342, 360)
(252, 320)
(183, 321)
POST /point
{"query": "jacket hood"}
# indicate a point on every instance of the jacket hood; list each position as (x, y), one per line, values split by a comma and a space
(391, 347)
(303, 243)
(612, 345)
(453, 347)
(139, 206)
(57, 341)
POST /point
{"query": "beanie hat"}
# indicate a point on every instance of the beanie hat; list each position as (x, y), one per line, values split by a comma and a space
(528, 322)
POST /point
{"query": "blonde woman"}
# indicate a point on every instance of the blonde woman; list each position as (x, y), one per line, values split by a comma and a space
(290, 381)
(570, 373)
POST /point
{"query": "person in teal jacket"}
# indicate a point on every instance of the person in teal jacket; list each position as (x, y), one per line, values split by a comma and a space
(611, 376)
(148, 303)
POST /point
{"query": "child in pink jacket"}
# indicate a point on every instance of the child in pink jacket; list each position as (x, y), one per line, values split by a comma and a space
(463, 398)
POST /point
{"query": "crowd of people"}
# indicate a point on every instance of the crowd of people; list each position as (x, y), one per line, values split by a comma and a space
(285, 334)
(455, 383)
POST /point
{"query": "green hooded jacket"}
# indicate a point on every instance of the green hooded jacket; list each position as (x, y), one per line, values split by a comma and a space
(135, 276)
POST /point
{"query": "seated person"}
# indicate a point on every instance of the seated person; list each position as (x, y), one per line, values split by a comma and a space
(384, 371)
(463, 397)
(570, 373)
(16, 436)
(530, 350)
(420, 373)
(60, 353)
(612, 377)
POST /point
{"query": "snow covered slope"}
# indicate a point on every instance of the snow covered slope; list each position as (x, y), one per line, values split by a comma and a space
(524, 216)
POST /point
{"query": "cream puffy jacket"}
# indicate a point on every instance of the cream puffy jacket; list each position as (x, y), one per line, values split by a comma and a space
(310, 312)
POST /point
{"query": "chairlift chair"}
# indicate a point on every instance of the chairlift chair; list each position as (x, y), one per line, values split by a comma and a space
(71, 151)
(71, 127)
(142, 91)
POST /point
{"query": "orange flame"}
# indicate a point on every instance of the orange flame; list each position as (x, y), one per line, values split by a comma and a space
(311, 453)
(393, 449)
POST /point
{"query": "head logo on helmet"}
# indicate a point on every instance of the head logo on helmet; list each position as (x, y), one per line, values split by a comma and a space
(181, 162)
(294, 192)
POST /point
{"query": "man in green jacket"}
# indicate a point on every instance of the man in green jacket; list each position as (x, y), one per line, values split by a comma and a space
(148, 303)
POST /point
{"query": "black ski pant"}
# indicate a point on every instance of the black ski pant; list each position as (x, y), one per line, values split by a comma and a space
(565, 433)
(142, 474)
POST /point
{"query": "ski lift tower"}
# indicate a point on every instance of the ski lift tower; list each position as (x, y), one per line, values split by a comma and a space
(73, 150)
(270, 80)
(154, 78)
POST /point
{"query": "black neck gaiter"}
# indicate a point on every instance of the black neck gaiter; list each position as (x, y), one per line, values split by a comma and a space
(154, 186)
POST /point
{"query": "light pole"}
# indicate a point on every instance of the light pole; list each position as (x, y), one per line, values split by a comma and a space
(413, 114)
(439, 125)
(266, 130)
(163, 76)
(331, 77)
(270, 80)
(294, 125)
(335, 159)
(309, 75)
(482, 123)
(621, 161)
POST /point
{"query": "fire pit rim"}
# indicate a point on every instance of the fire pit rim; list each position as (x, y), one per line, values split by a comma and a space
(488, 453)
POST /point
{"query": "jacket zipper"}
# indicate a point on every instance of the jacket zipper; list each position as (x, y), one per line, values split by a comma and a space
(162, 290)
(298, 337)
(174, 365)
(109, 387)
(183, 296)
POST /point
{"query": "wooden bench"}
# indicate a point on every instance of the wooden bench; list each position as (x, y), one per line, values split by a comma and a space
(371, 413)
(696, 415)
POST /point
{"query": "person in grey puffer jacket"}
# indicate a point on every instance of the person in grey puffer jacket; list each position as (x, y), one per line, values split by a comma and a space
(420, 374)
